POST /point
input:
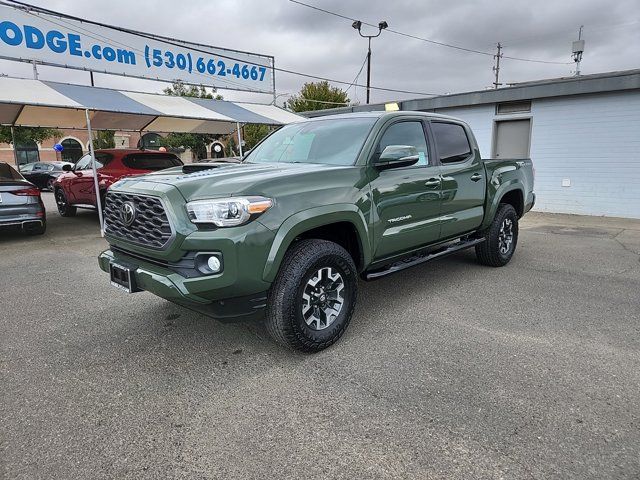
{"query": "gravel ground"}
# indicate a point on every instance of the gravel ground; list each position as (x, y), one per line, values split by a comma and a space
(448, 370)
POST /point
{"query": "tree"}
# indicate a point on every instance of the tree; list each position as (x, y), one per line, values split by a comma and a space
(325, 95)
(104, 139)
(252, 134)
(231, 147)
(25, 134)
(197, 142)
(179, 89)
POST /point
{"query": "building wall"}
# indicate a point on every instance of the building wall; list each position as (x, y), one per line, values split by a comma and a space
(122, 140)
(592, 142)
(47, 153)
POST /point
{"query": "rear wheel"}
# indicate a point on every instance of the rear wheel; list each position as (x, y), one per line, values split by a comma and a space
(50, 184)
(501, 238)
(64, 208)
(313, 297)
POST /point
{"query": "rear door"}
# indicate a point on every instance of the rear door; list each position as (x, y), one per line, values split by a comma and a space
(463, 182)
(407, 199)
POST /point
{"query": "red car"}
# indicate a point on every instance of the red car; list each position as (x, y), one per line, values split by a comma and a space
(75, 188)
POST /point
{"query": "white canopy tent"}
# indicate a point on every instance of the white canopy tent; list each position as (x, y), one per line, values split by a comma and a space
(59, 105)
(36, 103)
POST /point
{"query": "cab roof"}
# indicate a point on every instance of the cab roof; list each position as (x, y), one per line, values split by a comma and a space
(381, 114)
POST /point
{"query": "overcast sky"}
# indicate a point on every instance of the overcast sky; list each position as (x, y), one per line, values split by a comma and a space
(309, 41)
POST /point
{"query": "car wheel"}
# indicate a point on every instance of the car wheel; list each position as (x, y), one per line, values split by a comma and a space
(501, 238)
(50, 183)
(313, 297)
(64, 208)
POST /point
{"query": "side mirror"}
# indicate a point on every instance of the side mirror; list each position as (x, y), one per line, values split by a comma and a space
(67, 168)
(396, 156)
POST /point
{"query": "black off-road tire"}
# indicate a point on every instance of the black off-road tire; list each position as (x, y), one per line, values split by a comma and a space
(488, 252)
(284, 319)
(64, 209)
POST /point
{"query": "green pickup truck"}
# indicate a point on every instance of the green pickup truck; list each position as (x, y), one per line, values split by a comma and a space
(286, 234)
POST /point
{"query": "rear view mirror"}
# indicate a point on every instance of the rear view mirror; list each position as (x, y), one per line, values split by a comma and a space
(67, 168)
(394, 156)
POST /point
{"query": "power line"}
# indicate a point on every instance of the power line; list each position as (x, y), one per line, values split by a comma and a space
(207, 52)
(427, 40)
(355, 79)
(316, 101)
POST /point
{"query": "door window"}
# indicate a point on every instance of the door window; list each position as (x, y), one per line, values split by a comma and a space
(452, 142)
(83, 163)
(407, 133)
(151, 161)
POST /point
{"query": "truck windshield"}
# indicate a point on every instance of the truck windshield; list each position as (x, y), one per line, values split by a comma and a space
(331, 142)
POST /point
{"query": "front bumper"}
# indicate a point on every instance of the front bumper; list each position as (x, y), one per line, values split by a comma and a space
(177, 289)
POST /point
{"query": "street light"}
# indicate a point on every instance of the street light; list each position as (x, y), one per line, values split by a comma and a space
(358, 26)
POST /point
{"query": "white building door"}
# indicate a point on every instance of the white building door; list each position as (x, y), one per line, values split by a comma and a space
(512, 138)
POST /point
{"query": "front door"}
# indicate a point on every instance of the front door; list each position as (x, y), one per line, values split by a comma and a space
(463, 179)
(407, 199)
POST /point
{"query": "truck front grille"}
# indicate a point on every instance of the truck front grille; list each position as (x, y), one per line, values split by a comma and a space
(149, 226)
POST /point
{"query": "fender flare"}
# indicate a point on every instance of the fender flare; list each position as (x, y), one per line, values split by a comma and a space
(501, 191)
(309, 219)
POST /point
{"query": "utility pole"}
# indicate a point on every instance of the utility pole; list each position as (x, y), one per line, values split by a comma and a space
(368, 70)
(381, 26)
(577, 50)
(496, 67)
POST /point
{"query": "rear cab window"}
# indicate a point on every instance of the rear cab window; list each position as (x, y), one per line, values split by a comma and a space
(151, 161)
(452, 142)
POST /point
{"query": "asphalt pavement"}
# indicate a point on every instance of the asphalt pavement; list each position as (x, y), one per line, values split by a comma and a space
(448, 370)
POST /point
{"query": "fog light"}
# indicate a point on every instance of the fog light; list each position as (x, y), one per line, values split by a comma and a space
(214, 264)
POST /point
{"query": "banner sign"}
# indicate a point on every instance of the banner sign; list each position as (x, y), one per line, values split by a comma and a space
(28, 35)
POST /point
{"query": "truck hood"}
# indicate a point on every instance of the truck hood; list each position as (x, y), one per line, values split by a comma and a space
(197, 181)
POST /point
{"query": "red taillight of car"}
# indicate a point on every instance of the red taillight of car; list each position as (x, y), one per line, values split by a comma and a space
(27, 192)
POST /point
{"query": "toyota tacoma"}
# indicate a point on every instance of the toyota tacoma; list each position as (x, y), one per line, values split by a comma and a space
(286, 234)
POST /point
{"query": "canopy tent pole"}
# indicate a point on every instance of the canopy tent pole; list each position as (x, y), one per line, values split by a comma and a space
(15, 148)
(239, 137)
(95, 173)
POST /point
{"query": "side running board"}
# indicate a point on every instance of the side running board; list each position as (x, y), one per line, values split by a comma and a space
(421, 258)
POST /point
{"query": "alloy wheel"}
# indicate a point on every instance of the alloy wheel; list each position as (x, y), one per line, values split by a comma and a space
(323, 298)
(505, 237)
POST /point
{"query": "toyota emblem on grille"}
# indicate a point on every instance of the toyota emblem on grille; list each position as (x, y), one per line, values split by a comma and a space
(128, 213)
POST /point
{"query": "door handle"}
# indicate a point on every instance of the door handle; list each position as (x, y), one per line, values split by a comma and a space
(432, 182)
(475, 177)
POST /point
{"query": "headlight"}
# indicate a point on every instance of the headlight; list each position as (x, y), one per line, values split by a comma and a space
(227, 212)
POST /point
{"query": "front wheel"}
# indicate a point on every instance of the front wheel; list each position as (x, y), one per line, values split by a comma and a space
(50, 183)
(313, 297)
(64, 208)
(501, 238)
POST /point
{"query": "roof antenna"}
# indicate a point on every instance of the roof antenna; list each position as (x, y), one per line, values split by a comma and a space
(577, 50)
